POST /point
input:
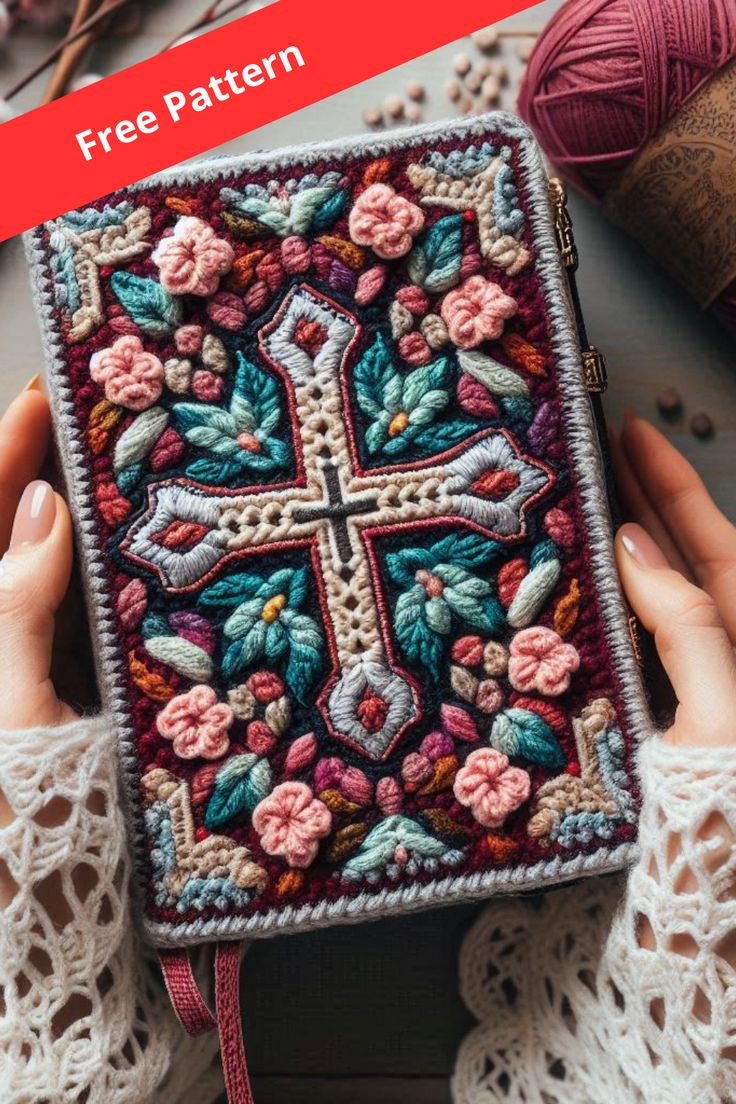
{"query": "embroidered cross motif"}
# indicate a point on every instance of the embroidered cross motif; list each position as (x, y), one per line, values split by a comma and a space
(337, 509)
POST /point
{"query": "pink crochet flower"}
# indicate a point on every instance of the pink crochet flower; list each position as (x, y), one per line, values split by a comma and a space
(540, 660)
(490, 788)
(291, 822)
(131, 377)
(192, 259)
(197, 723)
(385, 221)
(476, 311)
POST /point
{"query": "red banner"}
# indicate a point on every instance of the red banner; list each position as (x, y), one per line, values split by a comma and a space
(208, 91)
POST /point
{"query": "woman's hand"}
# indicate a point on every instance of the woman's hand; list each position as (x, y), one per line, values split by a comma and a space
(678, 568)
(36, 549)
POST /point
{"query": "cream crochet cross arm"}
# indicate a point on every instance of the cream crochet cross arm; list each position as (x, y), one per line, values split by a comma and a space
(618, 993)
(80, 1011)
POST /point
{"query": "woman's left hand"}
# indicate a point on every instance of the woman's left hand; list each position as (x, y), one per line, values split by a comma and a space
(36, 549)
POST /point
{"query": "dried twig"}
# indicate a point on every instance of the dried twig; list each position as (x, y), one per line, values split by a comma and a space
(97, 22)
(71, 56)
(94, 20)
(208, 16)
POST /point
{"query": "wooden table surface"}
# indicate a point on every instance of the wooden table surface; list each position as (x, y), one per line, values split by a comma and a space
(372, 1013)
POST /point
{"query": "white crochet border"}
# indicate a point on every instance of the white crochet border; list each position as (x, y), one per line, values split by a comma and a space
(588, 469)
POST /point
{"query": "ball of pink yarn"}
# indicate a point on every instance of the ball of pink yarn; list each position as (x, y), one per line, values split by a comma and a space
(606, 75)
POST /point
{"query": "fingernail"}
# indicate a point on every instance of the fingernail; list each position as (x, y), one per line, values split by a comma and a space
(35, 384)
(35, 516)
(640, 546)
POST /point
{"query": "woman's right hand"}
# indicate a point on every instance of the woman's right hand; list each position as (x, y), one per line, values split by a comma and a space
(677, 563)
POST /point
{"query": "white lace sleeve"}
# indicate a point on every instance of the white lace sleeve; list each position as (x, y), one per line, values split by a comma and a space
(612, 992)
(82, 1013)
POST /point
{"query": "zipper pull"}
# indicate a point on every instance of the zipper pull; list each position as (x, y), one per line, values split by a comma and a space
(563, 224)
(595, 370)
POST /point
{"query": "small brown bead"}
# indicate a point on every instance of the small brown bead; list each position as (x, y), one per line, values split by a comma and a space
(373, 117)
(525, 49)
(453, 90)
(395, 107)
(486, 38)
(491, 90)
(669, 403)
(416, 91)
(462, 64)
(473, 81)
(413, 113)
(701, 425)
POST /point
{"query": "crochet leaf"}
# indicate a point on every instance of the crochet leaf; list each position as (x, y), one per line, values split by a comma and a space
(500, 381)
(148, 304)
(255, 404)
(183, 656)
(467, 550)
(240, 785)
(231, 591)
(379, 847)
(330, 211)
(442, 435)
(420, 642)
(525, 735)
(135, 443)
(305, 651)
(436, 259)
(242, 435)
(373, 374)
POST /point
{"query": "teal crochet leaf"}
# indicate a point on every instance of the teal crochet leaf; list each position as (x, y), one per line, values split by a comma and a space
(421, 643)
(256, 402)
(241, 653)
(525, 735)
(191, 416)
(329, 211)
(372, 375)
(306, 652)
(127, 479)
(467, 550)
(148, 304)
(379, 846)
(241, 437)
(240, 785)
(436, 259)
(91, 219)
(441, 436)
(231, 591)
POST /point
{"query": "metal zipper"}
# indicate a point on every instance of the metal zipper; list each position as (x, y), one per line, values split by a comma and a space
(594, 363)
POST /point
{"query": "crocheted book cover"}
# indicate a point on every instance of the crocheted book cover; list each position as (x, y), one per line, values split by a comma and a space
(341, 509)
